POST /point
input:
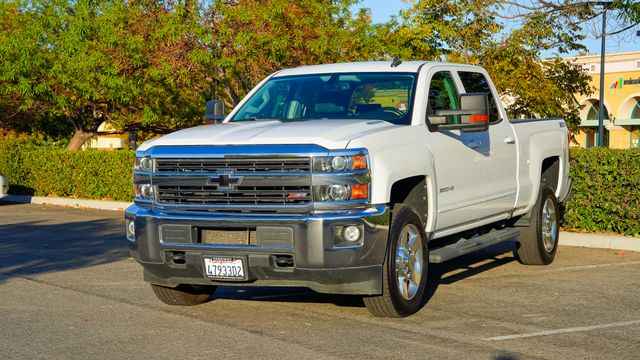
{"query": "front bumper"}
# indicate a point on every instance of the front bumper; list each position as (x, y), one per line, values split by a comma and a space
(320, 261)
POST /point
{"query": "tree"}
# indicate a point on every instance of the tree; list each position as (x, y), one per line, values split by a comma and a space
(253, 38)
(471, 31)
(136, 62)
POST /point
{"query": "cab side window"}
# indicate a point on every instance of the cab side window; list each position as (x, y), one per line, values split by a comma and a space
(475, 82)
(443, 96)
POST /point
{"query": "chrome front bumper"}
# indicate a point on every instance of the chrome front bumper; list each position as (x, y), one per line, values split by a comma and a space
(320, 261)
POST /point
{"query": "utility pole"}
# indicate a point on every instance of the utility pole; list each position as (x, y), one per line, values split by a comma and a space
(605, 5)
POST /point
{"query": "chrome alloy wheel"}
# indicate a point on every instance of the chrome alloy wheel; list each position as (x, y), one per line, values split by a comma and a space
(549, 226)
(409, 261)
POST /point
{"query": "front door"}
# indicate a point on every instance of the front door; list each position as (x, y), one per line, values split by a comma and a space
(475, 179)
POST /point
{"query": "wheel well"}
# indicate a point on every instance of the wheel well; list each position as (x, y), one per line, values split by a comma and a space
(411, 191)
(550, 172)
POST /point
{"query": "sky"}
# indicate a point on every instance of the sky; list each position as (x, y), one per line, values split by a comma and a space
(382, 10)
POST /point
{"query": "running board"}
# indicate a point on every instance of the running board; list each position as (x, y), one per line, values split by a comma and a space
(466, 246)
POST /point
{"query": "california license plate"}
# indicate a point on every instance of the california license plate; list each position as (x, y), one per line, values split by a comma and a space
(224, 268)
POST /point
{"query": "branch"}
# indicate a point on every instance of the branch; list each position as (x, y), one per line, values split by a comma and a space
(622, 30)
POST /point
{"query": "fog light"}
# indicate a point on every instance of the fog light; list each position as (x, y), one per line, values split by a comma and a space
(351, 233)
(131, 230)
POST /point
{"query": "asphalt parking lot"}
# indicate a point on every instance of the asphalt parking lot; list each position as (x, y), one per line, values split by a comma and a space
(69, 291)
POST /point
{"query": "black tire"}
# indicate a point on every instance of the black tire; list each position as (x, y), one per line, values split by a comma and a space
(391, 303)
(183, 295)
(531, 248)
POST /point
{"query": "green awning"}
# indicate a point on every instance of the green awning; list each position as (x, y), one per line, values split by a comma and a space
(587, 123)
(627, 122)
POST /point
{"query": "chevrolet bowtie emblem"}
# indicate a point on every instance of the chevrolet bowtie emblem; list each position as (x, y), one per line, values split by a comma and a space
(225, 181)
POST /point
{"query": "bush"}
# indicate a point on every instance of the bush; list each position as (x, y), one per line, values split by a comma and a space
(606, 191)
(605, 195)
(33, 168)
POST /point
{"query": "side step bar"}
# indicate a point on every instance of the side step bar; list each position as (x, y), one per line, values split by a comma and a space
(466, 246)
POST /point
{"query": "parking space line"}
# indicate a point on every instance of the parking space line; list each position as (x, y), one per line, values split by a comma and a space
(564, 331)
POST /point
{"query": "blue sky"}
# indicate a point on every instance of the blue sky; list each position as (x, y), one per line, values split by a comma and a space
(381, 10)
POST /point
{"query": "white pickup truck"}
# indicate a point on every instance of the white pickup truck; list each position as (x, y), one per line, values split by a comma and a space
(347, 178)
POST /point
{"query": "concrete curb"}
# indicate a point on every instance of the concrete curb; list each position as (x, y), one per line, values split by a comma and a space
(600, 241)
(590, 240)
(78, 203)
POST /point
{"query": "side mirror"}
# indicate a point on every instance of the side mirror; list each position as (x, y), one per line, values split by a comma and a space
(472, 116)
(215, 110)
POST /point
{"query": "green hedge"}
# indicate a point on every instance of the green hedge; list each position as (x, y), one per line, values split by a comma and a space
(605, 196)
(34, 169)
(606, 191)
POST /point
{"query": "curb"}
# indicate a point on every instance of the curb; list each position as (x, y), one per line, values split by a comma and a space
(589, 240)
(68, 202)
(600, 241)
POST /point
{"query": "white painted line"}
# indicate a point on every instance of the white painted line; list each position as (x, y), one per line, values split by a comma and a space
(588, 267)
(564, 331)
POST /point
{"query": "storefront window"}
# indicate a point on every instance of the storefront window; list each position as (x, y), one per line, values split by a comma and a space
(635, 138)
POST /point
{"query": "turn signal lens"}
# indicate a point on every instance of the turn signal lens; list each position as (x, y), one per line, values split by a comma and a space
(359, 191)
(359, 162)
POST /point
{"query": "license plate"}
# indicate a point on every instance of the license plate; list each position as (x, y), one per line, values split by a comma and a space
(224, 268)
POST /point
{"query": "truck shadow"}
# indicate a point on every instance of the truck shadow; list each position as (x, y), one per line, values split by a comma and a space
(441, 274)
(33, 247)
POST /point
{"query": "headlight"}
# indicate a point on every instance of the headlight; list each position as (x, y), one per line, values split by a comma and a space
(341, 192)
(144, 164)
(339, 163)
(144, 192)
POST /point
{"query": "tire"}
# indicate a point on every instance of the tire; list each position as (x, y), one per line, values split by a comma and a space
(392, 303)
(183, 295)
(538, 243)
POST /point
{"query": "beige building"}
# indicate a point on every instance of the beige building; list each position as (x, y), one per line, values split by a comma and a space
(621, 100)
(109, 138)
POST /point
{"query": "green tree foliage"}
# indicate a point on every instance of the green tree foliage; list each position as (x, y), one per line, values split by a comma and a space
(89, 61)
(472, 31)
(254, 38)
(69, 65)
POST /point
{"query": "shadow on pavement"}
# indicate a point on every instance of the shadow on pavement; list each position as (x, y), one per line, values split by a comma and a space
(30, 248)
(440, 274)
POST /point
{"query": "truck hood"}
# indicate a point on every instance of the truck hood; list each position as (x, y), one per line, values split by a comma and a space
(331, 134)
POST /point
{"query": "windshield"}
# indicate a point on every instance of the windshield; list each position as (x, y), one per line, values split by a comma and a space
(380, 96)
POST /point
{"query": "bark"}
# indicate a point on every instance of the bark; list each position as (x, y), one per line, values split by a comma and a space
(78, 139)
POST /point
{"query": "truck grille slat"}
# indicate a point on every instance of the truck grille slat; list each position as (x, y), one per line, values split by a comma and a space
(210, 195)
(256, 165)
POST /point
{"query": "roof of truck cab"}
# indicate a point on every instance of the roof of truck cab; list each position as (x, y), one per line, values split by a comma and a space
(366, 66)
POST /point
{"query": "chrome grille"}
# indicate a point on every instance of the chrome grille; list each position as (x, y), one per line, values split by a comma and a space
(242, 195)
(251, 165)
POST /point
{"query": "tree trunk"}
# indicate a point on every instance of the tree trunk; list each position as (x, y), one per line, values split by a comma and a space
(78, 139)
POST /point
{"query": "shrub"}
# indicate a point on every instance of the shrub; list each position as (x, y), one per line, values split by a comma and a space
(605, 195)
(606, 191)
(49, 170)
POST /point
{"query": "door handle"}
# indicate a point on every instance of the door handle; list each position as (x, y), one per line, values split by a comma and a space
(509, 140)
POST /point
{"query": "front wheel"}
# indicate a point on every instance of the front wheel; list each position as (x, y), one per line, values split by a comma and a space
(538, 243)
(183, 295)
(405, 268)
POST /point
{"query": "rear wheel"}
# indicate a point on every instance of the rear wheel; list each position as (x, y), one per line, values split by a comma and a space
(539, 241)
(404, 270)
(183, 294)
